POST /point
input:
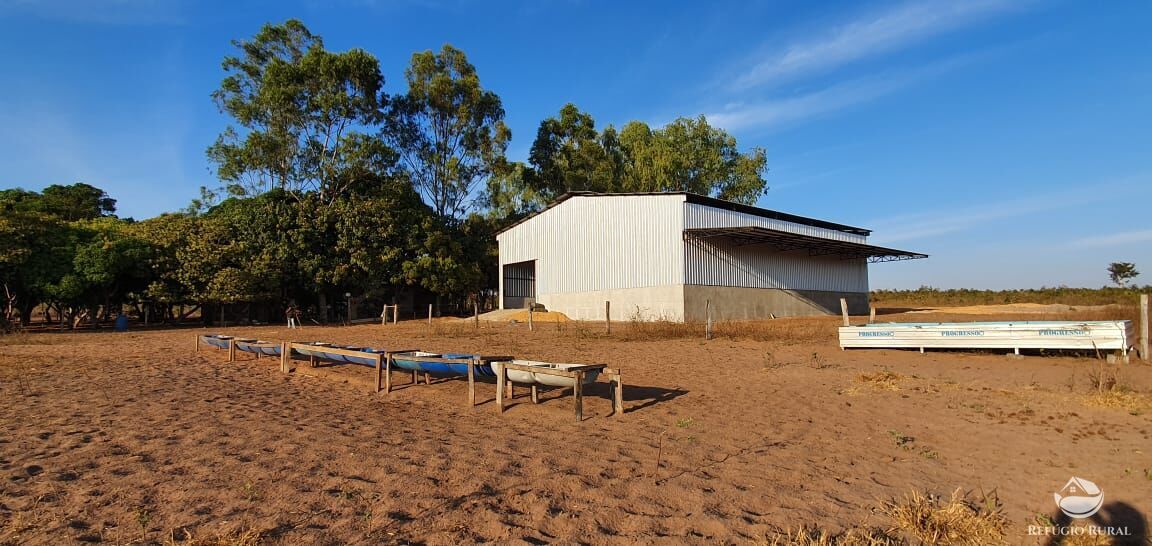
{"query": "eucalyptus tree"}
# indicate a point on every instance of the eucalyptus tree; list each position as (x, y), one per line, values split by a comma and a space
(448, 130)
(304, 114)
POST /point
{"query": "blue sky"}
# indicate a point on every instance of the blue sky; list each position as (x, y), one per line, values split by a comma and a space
(1008, 139)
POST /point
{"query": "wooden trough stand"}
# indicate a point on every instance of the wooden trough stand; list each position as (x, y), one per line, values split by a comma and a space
(576, 373)
(231, 348)
(471, 363)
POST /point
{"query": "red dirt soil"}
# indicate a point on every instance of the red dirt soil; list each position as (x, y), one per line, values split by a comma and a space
(134, 438)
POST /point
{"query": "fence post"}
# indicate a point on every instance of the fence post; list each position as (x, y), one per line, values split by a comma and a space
(476, 313)
(608, 317)
(1144, 327)
(844, 311)
(708, 310)
(871, 314)
(531, 308)
(429, 314)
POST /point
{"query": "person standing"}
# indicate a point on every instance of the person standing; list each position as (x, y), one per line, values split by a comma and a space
(293, 315)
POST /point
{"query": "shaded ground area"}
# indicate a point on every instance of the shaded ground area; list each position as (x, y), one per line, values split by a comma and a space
(119, 438)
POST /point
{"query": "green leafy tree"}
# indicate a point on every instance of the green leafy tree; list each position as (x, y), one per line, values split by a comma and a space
(1122, 272)
(303, 114)
(570, 155)
(686, 155)
(690, 155)
(69, 203)
(449, 130)
(36, 251)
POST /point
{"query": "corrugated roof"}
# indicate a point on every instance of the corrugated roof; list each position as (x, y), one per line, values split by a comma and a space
(710, 202)
(816, 246)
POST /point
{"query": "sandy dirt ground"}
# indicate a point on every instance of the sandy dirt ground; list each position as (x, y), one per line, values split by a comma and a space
(134, 438)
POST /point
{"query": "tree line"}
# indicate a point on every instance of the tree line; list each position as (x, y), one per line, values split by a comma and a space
(328, 184)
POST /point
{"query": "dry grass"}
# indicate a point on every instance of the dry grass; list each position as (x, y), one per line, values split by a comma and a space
(852, 537)
(886, 380)
(918, 519)
(1132, 402)
(785, 330)
(231, 538)
(957, 521)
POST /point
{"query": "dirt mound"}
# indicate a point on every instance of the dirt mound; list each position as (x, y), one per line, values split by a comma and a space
(521, 315)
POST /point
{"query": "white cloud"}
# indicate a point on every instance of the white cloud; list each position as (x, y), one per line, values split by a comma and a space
(780, 111)
(868, 36)
(930, 224)
(1115, 239)
(776, 112)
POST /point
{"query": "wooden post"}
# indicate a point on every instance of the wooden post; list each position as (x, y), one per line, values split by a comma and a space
(708, 311)
(379, 371)
(844, 311)
(472, 382)
(1144, 326)
(476, 313)
(197, 342)
(578, 394)
(396, 314)
(388, 373)
(608, 317)
(429, 314)
(618, 394)
(530, 309)
(285, 357)
(231, 350)
(871, 314)
(501, 379)
(535, 394)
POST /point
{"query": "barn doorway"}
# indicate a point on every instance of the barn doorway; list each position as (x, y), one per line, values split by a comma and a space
(519, 284)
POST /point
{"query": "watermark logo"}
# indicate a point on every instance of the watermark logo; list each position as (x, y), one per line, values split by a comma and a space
(1079, 498)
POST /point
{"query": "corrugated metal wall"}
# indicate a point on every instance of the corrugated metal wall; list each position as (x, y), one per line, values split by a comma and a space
(601, 243)
(718, 261)
(703, 216)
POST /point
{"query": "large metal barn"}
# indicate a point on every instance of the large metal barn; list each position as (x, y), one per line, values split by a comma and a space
(670, 256)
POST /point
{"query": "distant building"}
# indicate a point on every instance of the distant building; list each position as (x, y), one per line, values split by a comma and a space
(665, 256)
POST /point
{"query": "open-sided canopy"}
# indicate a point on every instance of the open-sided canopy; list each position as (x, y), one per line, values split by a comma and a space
(816, 246)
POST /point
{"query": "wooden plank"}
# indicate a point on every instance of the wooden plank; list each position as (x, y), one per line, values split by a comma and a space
(285, 357)
(535, 393)
(429, 314)
(871, 314)
(608, 317)
(617, 393)
(530, 309)
(379, 371)
(578, 394)
(501, 379)
(197, 342)
(844, 311)
(231, 350)
(472, 383)
(388, 374)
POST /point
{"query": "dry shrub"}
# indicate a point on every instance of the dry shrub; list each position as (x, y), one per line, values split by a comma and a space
(1086, 540)
(883, 380)
(230, 538)
(857, 536)
(788, 330)
(917, 519)
(958, 521)
(1131, 402)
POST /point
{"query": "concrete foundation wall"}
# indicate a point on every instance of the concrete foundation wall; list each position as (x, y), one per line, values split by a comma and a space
(646, 303)
(732, 303)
